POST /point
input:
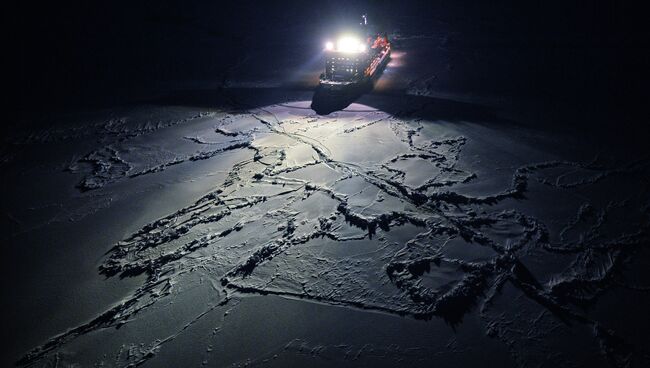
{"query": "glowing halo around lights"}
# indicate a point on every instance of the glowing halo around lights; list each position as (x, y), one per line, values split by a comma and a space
(347, 44)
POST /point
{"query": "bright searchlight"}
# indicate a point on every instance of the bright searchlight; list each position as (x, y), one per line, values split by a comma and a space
(349, 44)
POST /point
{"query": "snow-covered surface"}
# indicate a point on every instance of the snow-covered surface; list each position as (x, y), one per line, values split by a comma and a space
(263, 235)
(428, 223)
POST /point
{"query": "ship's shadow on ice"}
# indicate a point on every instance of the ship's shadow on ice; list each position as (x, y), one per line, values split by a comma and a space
(324, 102)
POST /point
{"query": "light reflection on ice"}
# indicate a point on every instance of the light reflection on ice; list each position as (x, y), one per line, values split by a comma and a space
(350, 209)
